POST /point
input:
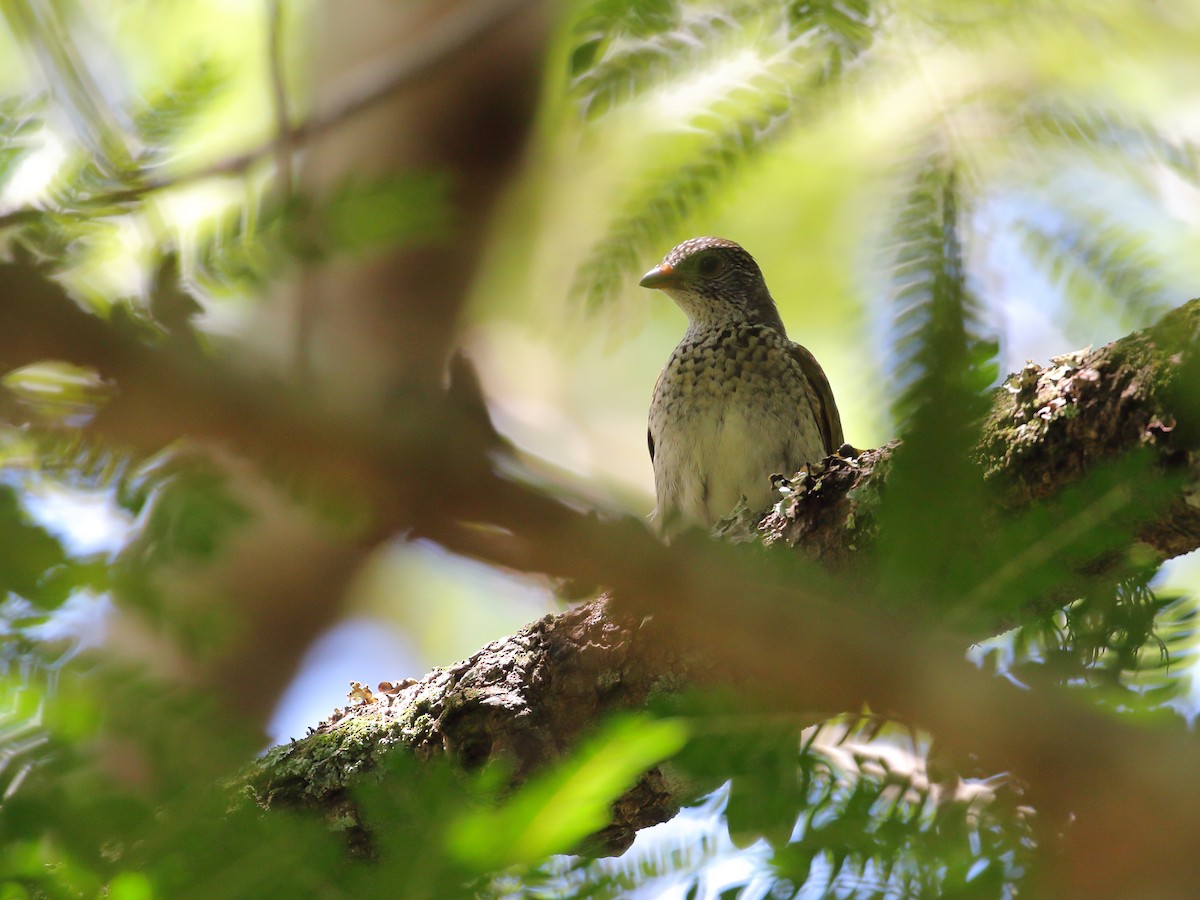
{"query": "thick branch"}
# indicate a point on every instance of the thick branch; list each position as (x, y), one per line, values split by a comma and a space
(525, 699)
(1049, 425)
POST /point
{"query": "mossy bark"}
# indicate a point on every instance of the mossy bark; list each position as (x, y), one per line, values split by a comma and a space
(1048, 426)
(523, 700)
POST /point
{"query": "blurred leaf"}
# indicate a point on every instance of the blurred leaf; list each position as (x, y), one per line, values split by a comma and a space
(1035, 553)
(189, 511)
(412, 809)
(618, 57)
(767, 794)
(800, 50)
(845, 27)
(131, 886)
(161, 119)
(556, 810)
(20, 120)
(1130, 140)
(242, 248)
(639, 18)
(1100, 265)
(58, 394)
(929, 546)
(24, 743)
(28, 554)
(371, 214)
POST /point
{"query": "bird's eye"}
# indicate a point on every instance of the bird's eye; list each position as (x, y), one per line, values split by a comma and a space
(709, 264)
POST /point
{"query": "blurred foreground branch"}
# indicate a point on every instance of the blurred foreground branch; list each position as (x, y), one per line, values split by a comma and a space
(797, 639)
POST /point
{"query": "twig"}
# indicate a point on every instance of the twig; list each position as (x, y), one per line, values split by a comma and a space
(283, 120)
(303, 303)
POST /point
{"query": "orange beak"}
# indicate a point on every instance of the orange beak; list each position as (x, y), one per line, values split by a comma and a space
(659, 277)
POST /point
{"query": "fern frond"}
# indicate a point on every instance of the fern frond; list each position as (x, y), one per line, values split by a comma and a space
(81, 182)
(803, 49)
(653, 217)
(845, 29)
(70, 458)
(677, 858)
(160, 119)
(875, 820)
(239, 249)
(24, 741)
(1161, 674)
(20, 120)
(249, 243)
(1130, 647)
(86, 187)
(929, 548)
(937, 318)
(617, 61)
(1135, 645)
(1115, 133)
(1098, 264)
(623, 50)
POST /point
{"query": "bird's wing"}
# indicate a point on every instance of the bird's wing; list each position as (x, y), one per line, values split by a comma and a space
(820, 398)
(650, 441)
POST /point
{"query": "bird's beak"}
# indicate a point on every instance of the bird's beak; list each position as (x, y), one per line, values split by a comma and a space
(659, 277)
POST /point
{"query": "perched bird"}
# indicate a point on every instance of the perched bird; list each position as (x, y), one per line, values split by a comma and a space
(737, 401)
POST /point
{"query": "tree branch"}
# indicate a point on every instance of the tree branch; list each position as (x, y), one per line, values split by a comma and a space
(1049, 426)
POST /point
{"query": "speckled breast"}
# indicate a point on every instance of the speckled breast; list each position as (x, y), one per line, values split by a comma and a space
(730, 409)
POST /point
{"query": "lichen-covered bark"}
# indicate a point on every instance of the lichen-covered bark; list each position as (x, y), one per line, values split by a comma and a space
(528, 697)
(524, 700)
(1048, 426)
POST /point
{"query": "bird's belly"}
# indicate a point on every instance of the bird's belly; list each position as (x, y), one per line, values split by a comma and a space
(717, 447)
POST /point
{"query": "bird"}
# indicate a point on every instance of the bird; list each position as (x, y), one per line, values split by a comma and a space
(737, 401)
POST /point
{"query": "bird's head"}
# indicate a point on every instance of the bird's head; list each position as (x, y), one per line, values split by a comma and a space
(715, 282)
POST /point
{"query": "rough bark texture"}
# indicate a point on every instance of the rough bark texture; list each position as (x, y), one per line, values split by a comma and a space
(1048, 426)
(525, 699)
(529, 696)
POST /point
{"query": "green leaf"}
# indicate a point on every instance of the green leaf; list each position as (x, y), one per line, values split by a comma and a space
(20, 120)
(1101, 265)
(554, 811)
(28, 553)
(928, 545)
(131, 886)
(160, 119)
(375, 213)
(614, 63)
(1130, 139)
(803, 51)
